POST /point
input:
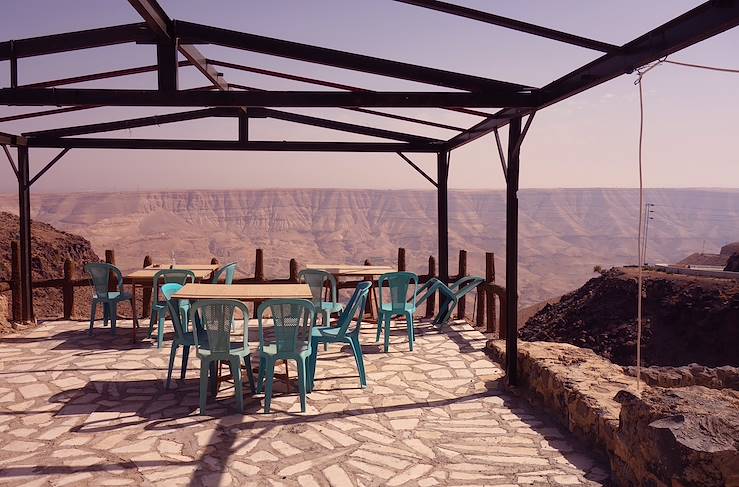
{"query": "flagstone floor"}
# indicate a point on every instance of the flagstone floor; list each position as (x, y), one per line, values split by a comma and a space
(79, 410)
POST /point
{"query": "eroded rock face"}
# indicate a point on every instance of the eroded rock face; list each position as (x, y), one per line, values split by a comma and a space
(685, 436)
(732, 264)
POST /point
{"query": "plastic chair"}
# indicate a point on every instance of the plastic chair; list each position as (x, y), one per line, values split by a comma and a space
(227, 271)
(216, 316)
(450, 295)
(183, 336)
(159, 307)
(293, 320)
(353, 313)
(399, 284)
(316, 280)
(101, 272)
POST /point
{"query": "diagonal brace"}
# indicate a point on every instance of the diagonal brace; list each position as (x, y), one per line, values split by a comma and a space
(48, 166)
(501, 154)
(10, 160)
(420, 171)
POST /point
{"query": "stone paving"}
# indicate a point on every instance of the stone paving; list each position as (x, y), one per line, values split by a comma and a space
(93, 411)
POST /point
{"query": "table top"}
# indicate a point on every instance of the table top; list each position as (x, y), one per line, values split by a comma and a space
(244, 292)
(148, 273)
(192, 267)
(353, 270)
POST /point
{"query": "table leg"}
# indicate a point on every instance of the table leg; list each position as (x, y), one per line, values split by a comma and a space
(133, 312)
(287, 377)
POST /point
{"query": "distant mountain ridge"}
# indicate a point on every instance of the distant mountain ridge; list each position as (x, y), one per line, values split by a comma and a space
(564, 232)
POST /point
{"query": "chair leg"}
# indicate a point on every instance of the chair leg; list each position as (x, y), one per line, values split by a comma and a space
(235, 365)
(380, 320)
(387, 333)
(269, 375)
(160, 330)
(312, 364)
(301, 382)
(93, 309)
(357, 349)
(172, 355)
(113, 315)
(204, 368)
(185, 358)
(249, 372)
(411, 331)
(260, 378)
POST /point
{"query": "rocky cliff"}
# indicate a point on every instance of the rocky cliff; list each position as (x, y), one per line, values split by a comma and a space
(687, 319)
(50, 247)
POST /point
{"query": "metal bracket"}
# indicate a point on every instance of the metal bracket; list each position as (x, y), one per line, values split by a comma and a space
(420, 171)
(501, 154)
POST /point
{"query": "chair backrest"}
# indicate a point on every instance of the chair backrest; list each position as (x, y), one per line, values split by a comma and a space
(465, 285)
(354, 310)
(229, 270)
(168, 291)
(399, 284)
(293, 319)
(170, 276)
(316, 280)
(100, 273)
(217, 317)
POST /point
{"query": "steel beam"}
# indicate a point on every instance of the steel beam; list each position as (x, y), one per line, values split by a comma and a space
(167, 78)
(198, 33)
(71, 41)
(706, 20)
(442, 213)
(509, 23)
(511, 250)
(117, 97)
(24, 214)
(96, 76)
(234, 145)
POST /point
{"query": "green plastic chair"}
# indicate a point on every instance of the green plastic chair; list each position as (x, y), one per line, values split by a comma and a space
(216, 316)
(399, 287)
(316, 280)
(353, 313)
(227, 271)
(290, 340)
(450, 295)
(183, 336)
(100, 273)
(159, 307)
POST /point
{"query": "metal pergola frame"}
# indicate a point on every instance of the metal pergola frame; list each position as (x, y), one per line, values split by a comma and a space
(465, 94)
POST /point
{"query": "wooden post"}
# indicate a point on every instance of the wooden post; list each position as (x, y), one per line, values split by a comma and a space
(480, 311)
(293, 270)
(15, 281)
(461, 308)
(68, 289)
(401, 259)
(489, 295)
(146, 292)
(431, 301)
(259, 266)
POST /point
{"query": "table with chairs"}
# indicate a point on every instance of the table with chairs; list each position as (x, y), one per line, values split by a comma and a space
(211, 313)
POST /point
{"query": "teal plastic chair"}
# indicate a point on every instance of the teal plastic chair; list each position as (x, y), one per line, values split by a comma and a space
(450, 295)
(316, 280)
(343, 333)
(101, 273)
(227, 272)
(290, 340)
(216, 316)
(183, 336)
(159, 307)
(400, 285)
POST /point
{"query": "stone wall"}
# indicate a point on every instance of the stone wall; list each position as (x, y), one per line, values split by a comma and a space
(690, 375)
(659, 437)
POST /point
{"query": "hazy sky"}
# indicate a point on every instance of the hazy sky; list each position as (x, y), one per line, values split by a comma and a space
(588, 140)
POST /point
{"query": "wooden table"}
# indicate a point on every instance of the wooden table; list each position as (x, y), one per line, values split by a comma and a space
(144, 277)
(345, 270)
